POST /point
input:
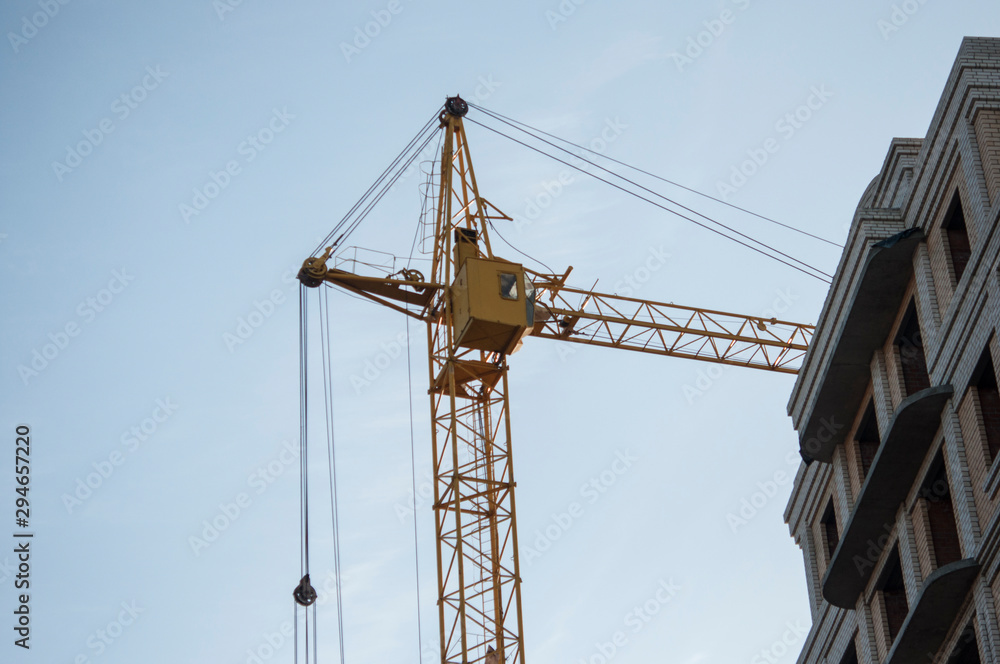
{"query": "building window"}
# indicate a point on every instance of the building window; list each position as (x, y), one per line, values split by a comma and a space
(508, 286)
(958, 237)
(850, 654)
(868, 439)
(913, 362)
(942, 527)
(893, 593)
(828, 530)
(967, 649)
(984, 378)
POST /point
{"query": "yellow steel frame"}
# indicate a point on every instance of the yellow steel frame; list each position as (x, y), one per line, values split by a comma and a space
(615, 321)
(479, 586)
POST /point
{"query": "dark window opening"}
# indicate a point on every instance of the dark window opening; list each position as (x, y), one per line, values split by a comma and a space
(941, 514)
(894, 594)
(508, 286)
(911, 353)
(850, 655)
(868, 438)
(985, 380)
(958, 237)
(828, 525)
(967, 649)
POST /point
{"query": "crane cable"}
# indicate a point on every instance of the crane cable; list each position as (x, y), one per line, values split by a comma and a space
(509, 120)
(525, 129)
(413, 477)
(400, 164)
(805, 266)
(324, 307)
(413, 453)
(304, 594)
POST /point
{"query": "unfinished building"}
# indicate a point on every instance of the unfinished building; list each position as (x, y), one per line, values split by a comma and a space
(897, 407)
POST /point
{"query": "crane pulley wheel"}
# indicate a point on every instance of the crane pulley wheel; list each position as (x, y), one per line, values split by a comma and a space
(313, 270)
(412, 275)
(304, 593)
(457, 106)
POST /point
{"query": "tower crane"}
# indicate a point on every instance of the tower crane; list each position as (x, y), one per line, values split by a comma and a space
(479, 308)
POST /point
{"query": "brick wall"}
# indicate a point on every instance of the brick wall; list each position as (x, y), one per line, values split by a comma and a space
(970, 419)
(922, 533)
(944, 531)
(880, 625)
(938, 251)
(987, 125)
(989, 408)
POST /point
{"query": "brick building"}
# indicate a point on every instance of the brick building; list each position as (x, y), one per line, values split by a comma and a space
(897, 407)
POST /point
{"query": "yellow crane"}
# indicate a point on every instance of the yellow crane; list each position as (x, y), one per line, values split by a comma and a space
(479, 308)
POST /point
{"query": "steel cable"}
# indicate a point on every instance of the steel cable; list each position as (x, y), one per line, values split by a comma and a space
(327, 357)
(428, 126)
(509, 120)
(662, 207)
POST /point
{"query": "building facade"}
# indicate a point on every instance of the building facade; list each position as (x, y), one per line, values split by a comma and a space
(897, 408)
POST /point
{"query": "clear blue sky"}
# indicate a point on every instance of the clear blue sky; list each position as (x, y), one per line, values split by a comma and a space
(116, 114)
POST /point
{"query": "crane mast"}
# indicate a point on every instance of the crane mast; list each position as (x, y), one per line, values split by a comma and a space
(478, 309)
(479, 586)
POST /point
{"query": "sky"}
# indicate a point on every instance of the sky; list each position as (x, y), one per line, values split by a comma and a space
(166, 167)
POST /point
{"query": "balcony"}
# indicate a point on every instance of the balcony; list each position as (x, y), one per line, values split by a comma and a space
(931, 618)
(873, 308)
(890, 478)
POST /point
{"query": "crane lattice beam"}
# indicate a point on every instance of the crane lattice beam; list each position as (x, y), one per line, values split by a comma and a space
(661, 328)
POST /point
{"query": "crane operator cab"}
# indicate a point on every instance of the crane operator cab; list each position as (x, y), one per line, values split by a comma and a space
(493, 302)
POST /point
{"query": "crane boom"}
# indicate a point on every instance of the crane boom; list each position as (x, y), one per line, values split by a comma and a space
(615, 321)
(479, 308)
(662, 328)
